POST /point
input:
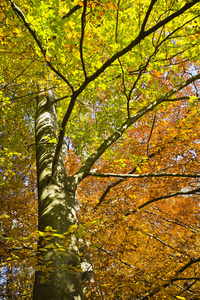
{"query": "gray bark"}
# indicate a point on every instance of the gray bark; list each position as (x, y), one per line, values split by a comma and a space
(56, 208)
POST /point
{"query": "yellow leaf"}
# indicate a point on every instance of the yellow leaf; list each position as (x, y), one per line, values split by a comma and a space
(48, 58)
(35, 246)
(5, 216)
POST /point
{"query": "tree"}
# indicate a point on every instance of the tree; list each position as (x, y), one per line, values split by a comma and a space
(98, 76)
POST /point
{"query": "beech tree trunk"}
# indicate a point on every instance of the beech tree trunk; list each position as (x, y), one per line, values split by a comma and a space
(58, 273)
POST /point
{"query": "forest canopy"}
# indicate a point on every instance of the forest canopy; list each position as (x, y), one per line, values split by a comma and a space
(100, 149)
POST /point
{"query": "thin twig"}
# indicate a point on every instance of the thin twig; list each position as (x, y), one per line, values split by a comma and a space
(120, 260)
(19, 74)
(117, 21)
(175, 278)
(176, 222)
(82, 37)
(152, 127)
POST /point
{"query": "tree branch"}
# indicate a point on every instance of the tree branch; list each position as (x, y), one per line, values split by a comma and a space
(89, 79)
(144, 175)
(84, 170)
(175, 278)
(185, 278)
(136, 41)
(175, 221)
(191, 192)
(148, 14)
(113, 184)
(143, 68)
(62, 134)
(82, 37)
(160, 241)
(9, 83)
(72, 10)
(20, 14)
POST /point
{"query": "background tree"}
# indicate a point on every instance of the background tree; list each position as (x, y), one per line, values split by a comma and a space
(117, 85)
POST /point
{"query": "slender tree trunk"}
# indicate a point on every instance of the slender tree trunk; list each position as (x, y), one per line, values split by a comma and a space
(58, 275)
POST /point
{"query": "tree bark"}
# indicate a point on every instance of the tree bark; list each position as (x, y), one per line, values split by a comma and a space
(58, 273)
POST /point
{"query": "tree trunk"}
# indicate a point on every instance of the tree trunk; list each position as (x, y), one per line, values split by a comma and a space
(58, 273)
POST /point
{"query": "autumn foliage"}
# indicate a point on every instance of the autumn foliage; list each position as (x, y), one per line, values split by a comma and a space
(137, 205)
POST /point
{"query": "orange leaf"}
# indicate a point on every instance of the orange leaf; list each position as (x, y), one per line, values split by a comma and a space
(112, 5)
(101, 12)
(80, 3)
